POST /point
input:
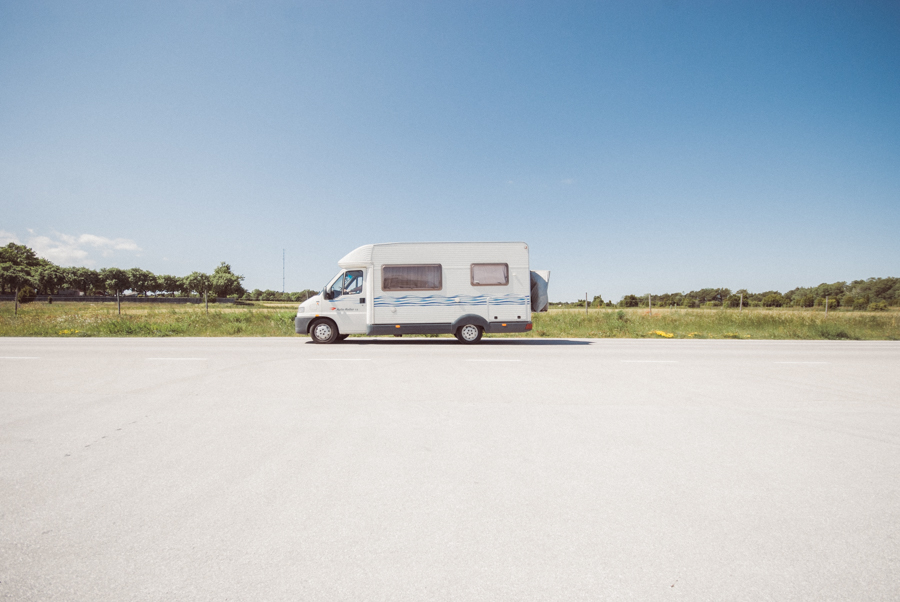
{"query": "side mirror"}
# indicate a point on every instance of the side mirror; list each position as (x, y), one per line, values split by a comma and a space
(327, 295)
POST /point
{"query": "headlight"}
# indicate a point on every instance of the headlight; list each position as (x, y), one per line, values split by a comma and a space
(300, 310)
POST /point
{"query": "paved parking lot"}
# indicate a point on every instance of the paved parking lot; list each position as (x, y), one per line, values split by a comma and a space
(422, 469)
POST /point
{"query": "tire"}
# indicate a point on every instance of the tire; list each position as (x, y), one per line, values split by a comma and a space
(469, 333)
(323, 331)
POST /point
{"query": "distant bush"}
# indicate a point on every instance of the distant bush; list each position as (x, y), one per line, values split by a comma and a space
(860, 304)
(773, 301)
(734, 301)
(629, 301)
(26, 294)
(878, 306)
(805, 301)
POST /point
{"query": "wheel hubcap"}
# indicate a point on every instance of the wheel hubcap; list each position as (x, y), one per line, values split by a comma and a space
(469, 332)
(323, 332)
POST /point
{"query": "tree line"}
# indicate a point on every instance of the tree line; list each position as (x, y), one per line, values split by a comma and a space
(22, 271)
(870, 294)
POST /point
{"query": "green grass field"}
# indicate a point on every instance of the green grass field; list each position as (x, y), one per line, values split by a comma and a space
(756, 323)
(146, 320)
(276, 319)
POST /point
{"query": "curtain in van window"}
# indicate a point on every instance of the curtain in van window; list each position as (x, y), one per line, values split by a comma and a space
(487, 274)
(411, 278)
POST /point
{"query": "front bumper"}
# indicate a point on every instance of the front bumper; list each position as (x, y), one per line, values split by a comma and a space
(301, 324)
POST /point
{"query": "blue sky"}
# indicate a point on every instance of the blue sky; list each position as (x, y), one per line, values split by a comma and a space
(636, 146)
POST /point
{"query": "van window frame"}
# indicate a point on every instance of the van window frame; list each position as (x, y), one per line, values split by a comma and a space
(414, 265)
(472, 274)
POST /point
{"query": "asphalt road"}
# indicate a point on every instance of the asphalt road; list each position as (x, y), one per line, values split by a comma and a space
(422, 469)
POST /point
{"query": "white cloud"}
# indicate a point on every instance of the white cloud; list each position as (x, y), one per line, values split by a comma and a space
(66, 249)
(8, 237)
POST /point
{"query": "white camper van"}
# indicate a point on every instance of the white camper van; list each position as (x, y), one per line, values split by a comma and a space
(459, 288)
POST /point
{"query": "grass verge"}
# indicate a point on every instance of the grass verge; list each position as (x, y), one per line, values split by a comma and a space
(144, 320)
(718, 324)
(264, 320)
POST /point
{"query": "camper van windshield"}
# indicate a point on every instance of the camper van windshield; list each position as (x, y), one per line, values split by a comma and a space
(334, 284)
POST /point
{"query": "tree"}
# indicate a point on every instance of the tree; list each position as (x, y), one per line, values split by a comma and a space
(303, 295)
(20, 255)
(141, 281)
(733, 301)
(199, 282)
(82, 279)
(49, 278)
(597, 302)
(116, 280)
(804, 301)
(169, 284)
(629, 301)
(225, 283)
(16, 277)
(196, 282)
(773, 300)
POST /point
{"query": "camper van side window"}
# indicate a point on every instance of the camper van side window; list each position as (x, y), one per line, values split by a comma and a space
(490, 274)
(411, 278)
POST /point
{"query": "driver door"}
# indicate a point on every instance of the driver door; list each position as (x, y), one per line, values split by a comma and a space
(349, 302)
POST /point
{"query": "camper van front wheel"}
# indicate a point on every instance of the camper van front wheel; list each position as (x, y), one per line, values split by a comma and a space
(323, 331)
(469, 333)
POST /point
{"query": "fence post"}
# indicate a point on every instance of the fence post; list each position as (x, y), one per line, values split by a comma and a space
(742, 303)
(650, 304)
(119, 302)
(826, 306)
(206, 298)
(585, 304)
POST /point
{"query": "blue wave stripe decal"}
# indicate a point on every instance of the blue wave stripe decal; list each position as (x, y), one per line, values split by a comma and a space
(444, 301)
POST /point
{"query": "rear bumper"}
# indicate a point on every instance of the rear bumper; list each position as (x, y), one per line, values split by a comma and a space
(497, 327)
(301, 324)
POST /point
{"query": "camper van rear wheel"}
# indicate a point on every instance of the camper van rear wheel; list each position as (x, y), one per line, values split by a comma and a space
(469, 333)
(323, 331)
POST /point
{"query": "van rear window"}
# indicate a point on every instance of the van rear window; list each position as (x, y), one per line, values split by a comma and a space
(490, 274)
(411, 278)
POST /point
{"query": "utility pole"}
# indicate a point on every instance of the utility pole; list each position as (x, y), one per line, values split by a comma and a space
(585, 304)
(742, 303)
(282, 271)
(650, 304)
(826, 306)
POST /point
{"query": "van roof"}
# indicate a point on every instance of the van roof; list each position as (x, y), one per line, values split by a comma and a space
(364, 255)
